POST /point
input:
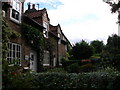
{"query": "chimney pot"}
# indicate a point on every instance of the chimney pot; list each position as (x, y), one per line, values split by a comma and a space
(33, 6)
(29, 5)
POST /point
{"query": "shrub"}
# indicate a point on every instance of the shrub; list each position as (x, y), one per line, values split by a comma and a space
(66, 63)
(61, 70)
(95, 80)
(73, 68)
(87, 68)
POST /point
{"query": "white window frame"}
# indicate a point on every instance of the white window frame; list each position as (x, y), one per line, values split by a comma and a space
(15, 53)
(16, 9)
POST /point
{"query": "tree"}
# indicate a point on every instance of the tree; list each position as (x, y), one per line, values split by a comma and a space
(82, 50)
(97, 45)
(115, 7)
(113, 44)
(113, 48)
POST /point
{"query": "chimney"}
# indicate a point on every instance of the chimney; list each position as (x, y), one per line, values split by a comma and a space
(29, 5)
(33, 6)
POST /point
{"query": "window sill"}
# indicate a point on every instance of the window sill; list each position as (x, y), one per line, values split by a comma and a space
(14, 20)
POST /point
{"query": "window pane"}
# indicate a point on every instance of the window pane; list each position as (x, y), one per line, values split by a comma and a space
(10, 53)
(18, 55)
(14, 47)
(19, 48)
(14, 4)
(18, 6)
(32, 57)
(13, 54)
(10, 60)
(15, 14)
(10, 46)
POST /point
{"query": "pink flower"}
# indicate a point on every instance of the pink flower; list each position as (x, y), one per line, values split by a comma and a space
(13, 73)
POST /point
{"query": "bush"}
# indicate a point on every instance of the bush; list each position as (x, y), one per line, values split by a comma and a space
(60, 70)
(13, 78)
(20, 81)
(87, 68)
(66, 63)
(73, 68)
(95, 80)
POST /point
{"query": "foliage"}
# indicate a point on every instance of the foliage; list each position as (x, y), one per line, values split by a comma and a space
(60, 70)
(66, 62)
(95, 80)
(97, 45)
(73, 68)
(34, 35)
(113, 44)
(13, 78)
(87, 68)
(7, 34)
(113, 50)
(108, 70)
(115, 6)
(36, 40)
(82, 50)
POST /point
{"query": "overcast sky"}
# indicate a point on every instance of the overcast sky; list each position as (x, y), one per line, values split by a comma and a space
(80, 19)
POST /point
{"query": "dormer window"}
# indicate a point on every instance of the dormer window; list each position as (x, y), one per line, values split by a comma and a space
(15, 11)
(45, 32)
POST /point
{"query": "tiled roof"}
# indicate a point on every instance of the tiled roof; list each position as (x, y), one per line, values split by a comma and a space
(35, 13)
(53, 29)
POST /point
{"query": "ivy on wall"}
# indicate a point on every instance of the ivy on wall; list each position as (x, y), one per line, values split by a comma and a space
(7, 34)
(36, 39)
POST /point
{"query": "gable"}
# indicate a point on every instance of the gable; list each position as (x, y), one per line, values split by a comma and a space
(45, 16)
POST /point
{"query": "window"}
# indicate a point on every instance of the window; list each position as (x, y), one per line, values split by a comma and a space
(66, 47)
(46, 60)
(59, 35)
(45, 32)
(59, 41)
(15, 11)
(14, 53)
(15, 14)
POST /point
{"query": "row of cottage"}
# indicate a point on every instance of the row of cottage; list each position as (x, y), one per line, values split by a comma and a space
(20, 48)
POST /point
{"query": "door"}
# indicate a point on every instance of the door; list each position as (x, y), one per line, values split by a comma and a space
(33, 61)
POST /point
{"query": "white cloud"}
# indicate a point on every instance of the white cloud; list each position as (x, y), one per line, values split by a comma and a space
(72, 14)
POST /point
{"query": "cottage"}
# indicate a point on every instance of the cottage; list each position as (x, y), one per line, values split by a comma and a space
(27, 48)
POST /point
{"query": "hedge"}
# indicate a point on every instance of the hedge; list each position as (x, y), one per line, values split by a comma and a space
(58, 80)
(94, 80)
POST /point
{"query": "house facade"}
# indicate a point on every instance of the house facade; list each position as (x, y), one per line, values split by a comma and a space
(56, 43)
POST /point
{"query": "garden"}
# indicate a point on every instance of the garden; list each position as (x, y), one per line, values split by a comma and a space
(87, 65)
(97, 68)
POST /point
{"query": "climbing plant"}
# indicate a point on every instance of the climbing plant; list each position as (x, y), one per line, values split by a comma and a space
(35, 38)
(7, 34)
